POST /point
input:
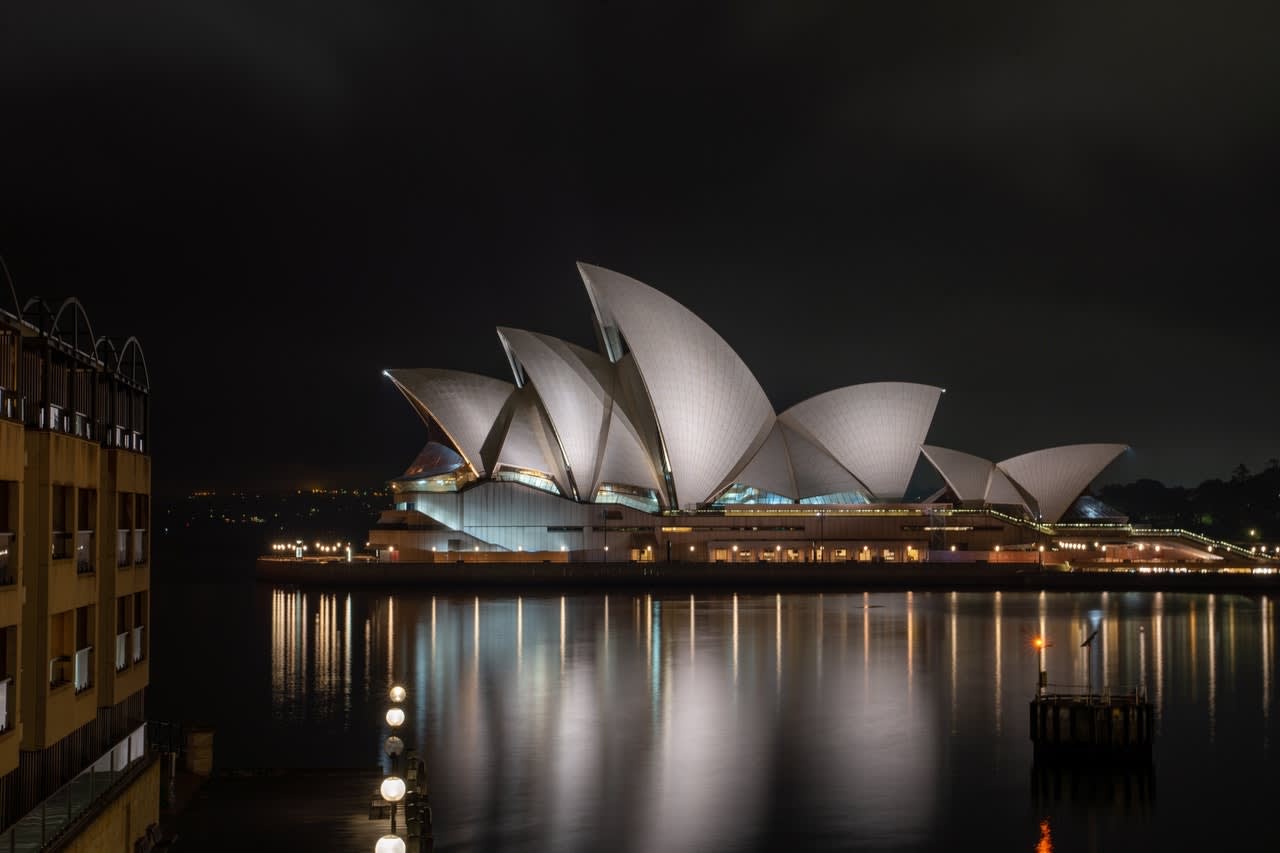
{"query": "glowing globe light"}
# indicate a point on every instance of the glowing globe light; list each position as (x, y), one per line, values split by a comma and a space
(395, 717)
(398, 693)
(394, 746)
(392, 789)
(389, 844)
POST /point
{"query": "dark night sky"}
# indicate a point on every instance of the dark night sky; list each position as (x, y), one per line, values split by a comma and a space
(1066, 215)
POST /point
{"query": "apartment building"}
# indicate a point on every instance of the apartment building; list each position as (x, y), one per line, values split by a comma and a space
(75, 483)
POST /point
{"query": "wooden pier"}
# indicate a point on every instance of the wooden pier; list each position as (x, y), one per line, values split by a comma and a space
(1092, 727)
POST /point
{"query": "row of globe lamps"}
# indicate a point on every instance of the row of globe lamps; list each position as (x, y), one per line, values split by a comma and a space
(393, 787)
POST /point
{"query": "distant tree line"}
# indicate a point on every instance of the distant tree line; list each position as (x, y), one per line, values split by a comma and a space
(1244, 508)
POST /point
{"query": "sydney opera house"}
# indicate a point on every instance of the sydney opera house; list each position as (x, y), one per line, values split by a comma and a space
(662, 445)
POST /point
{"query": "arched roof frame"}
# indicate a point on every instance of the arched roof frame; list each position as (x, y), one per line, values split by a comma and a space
(132, 364)
(67, 326)
(126, 360)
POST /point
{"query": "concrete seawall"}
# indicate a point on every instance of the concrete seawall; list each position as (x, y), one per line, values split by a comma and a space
(737, 575)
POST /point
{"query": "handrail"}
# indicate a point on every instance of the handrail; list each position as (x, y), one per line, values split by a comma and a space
(59, 812)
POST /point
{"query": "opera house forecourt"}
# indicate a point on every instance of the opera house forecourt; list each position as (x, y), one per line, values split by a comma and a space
(661, 447)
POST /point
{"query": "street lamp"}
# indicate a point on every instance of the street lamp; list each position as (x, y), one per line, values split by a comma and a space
(393, 747)
(389, 844)
(1042, 679)
(392, 791)
(395, 717)
(397, 693)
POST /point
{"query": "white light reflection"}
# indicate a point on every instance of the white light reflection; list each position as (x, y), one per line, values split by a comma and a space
(999, 663)
(575, 756)
(693, 632)
(777, 645)
(1158, 640)
(954, 704)
(821, 610)
(1213, 671)
(705, 767)
(1265, 633)
(735, 639)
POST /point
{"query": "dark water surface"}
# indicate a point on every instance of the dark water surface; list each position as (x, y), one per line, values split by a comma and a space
(665, 722)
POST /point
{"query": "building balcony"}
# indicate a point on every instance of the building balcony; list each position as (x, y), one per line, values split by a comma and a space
(7, 547)
(137, 644)
(84, 669)
(57, 419)
(59, 671)
(123, 547)
(139, 547)
(84, 552)
(123, 438)
(6, 690)
(13, 406)
(122, 651)
(63, 543)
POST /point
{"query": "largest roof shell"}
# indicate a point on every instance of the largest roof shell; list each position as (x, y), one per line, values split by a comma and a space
(711, 411)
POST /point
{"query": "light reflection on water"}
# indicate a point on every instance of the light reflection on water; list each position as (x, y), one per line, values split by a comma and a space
(757, 721)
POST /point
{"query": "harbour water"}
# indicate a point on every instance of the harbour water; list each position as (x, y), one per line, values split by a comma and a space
(757, 721)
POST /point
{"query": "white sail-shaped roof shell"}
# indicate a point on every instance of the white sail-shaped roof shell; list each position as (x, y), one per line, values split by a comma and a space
(576, 388)
(874, 430)
(625, 461)
(966, 474)
(710, 409)
(528, 442)
(816, 472)
(1055, 477)
(770, 468)
(465, 405)
(1002, 490)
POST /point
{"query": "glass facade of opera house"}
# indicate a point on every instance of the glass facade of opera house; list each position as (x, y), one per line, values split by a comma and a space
(661, 445)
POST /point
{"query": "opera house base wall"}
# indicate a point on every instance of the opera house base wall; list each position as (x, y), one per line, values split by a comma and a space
(558, 575)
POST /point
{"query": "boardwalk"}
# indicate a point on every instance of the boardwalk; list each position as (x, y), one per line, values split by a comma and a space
(295, 809)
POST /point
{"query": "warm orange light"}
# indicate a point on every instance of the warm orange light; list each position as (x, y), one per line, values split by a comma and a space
(1045, 844)
(1038, 642)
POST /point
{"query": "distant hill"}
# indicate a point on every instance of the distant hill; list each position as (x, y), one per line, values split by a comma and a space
(1244, 508)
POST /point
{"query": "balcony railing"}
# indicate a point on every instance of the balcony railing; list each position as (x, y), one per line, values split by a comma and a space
(84, 669)
(12, 405)
(6, 686)
(118, 436)
(122, 651)
(84, 552)
(46, 825)
(137, 644)
(6, 546)
(122, 548)
(62, 544)
(58, 670)
(139, 547)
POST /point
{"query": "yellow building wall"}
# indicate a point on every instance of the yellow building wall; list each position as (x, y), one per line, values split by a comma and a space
(12, 468)
(125, 820)
(53, 586)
